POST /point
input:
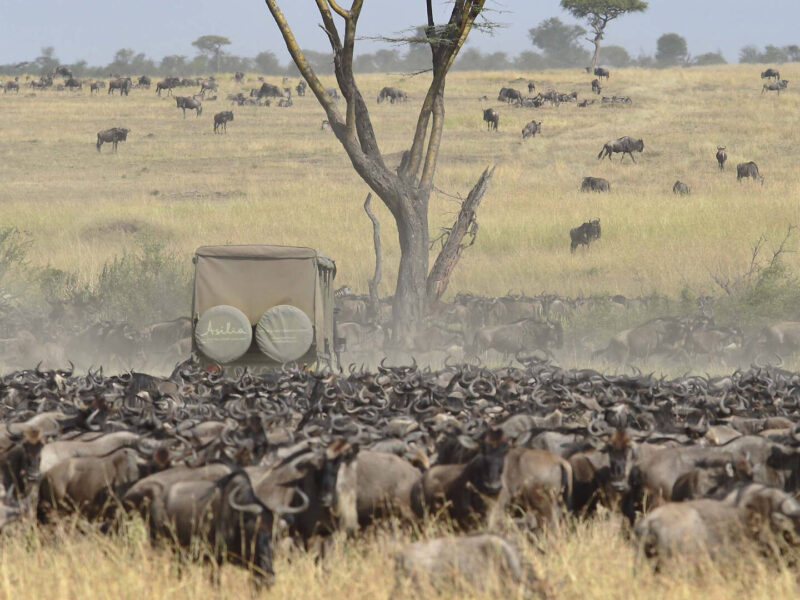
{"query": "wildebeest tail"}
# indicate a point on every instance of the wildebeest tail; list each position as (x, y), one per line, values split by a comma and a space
(602, 151)
(99, 143)
(566, 484)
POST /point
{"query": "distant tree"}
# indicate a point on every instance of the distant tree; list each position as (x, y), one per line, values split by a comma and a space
(211, 46)
(173, 65)
(364, 63)
(614, 56)
(774, 54)
(529, 60)
(470, 59)
(671, 50)
(709, 58)
(267, 63)
(793, 53)
(47, 61)
(750, 54)
(418, 56)
(387, 61)
(598, 14)
(559, 42)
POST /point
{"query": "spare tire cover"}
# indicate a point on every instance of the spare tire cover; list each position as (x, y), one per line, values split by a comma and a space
(223, 333)
(284, 333)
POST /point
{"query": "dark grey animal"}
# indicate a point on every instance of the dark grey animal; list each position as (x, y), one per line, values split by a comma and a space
(123, 84)
(11, 85)
(73, 84)
(722, 156)
(238, 76)
(333, 93)
(392, 94)
(771, 74)
(595, 184)
(492, 119)
(748, 169)
(531, 129)
(509, 95)
(301, 88)
(114, 136)
(531, 87)
(268, 90)
(221, 120)
(518, 337)
(185, 102)
(625, 145)
(775, 86)
(584, 234)
(167, 84)
(600, 72)
(680, 188)
(596, 86)
(145, 81)
(95, 87)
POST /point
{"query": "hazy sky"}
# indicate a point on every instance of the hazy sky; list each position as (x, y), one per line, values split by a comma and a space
(95, 29)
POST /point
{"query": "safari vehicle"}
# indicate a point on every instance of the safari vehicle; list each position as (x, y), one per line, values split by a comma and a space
(262, 306)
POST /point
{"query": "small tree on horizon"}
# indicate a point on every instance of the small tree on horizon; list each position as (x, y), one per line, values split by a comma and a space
(671, 50)
(211, 46)
(599, 13)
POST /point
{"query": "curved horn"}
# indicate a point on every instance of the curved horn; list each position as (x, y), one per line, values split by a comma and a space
(254, 507)
(293, 510)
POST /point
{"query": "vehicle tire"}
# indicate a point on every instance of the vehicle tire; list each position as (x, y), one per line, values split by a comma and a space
(223, 333)
(284, 333)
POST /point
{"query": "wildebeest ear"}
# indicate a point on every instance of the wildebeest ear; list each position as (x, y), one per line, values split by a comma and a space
(494, 437)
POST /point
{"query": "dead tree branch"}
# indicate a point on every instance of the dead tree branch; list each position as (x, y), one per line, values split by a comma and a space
(376, 240)
(466, 224)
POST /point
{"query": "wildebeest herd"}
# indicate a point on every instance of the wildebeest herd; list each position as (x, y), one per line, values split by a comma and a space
(691, 463)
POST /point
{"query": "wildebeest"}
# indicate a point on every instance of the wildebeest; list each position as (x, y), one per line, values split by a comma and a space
(601, 72)
(73, 84)
(531, 129)
(657, 336)
(509, 95)
(209, 85)
(775, 86)
(531, 87)
(680, 188)
(238, 76)
(722, 156)
(392, 94)
(301, 88)
(11, 86)
(584, 234)
(144, 81)
(167, 84)
(225, 513)
(748, 169)
(595, 184)
(771, 74)
(625, 145)
(20, 464)
(463, 489)
(596, 86)
(492, 119)
(221, 120)
(123, 84)
(781, 337)
(474, 560)
(95, 87)
(267, 90)
(332, 92)
(114, 136)
(518, 337)
(185, 102)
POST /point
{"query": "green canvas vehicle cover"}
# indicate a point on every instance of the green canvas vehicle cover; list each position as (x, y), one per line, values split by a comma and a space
(223, 333)
(284, 333)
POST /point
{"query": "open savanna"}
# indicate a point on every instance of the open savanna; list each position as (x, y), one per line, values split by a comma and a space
(591, 561)
(276, 178)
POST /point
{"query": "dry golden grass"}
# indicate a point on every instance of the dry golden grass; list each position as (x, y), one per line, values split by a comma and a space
(592, 561)
(276, 178)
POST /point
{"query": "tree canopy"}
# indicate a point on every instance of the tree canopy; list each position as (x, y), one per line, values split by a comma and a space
(599, 13)
(671, 49)
(211, 46)
(559, 42)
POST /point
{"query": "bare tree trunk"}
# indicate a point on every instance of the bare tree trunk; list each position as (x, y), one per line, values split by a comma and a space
(596, 42)
(446, 262)
(411, 291)
(376, 278)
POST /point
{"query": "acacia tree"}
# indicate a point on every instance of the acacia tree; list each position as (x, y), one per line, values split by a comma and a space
(211, 46)
(406, 191)
(598, 14)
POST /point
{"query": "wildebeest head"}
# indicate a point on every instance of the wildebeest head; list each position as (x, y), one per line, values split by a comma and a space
(621, 453)
(338, 452)
(489, 463)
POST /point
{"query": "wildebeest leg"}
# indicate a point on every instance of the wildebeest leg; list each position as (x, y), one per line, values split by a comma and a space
(184, 112)
(632, 158)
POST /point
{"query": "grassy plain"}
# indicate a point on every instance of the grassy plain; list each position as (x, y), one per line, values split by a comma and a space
(277, 178)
